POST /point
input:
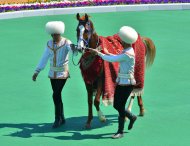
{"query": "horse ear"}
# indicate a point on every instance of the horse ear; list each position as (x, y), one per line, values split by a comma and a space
(78, 16)
(86, 17)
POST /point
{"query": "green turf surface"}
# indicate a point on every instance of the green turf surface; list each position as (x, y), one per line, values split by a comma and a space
(26, 107)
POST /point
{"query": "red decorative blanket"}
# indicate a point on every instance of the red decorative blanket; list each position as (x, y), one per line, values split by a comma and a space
(140, 51)
(92, 66)
(113, 45)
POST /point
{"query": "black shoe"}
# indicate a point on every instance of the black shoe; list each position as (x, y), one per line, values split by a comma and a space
(118, 135)
(132, 121)
(58, 123)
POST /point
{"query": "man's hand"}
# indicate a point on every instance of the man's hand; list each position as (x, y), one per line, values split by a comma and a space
(94, 51)
(34, 76)
(106, 51)
(99, 48)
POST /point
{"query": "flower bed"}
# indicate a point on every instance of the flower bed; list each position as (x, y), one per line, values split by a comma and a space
(65, 4)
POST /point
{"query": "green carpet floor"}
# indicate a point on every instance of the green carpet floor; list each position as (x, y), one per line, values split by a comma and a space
(26, 107)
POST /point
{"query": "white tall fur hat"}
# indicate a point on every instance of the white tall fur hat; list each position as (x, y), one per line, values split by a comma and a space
(55, 27)
(128, 34)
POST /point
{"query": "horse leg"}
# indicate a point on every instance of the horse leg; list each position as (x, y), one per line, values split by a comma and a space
(141, 106)
(130, 105)
(97, 100)
(90, 102)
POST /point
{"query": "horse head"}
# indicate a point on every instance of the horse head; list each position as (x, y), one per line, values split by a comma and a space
(86, 35)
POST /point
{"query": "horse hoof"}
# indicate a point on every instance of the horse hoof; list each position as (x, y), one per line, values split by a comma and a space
(101, 117)
(87, 126)
(141, 114)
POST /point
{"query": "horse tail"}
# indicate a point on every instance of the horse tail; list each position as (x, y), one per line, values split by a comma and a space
(150, 51)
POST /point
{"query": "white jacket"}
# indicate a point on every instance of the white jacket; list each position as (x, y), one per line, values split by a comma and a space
(58, 54)
(126, 69)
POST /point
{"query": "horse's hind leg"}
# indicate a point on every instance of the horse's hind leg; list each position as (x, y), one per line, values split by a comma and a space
(90, 102)
(130, 105)
(97, 100)
(141, 106)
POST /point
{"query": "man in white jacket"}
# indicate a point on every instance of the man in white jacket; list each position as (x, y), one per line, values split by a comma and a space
(125, 80)
(57, 52)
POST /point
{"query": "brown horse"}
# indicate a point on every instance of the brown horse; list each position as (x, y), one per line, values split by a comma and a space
(87, 37)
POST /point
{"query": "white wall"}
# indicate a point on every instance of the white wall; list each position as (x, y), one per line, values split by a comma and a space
(94, 9)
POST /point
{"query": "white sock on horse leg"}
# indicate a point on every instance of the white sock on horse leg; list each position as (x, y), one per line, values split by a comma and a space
(130, 104)
(101, 116)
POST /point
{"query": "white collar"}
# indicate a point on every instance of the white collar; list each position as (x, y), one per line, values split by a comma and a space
(127, 49)
(60, 42)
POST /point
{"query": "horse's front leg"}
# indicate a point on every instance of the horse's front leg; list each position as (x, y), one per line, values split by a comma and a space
(90, 103)
(101, 116)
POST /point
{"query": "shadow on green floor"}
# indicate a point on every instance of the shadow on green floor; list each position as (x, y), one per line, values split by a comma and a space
(73, 127)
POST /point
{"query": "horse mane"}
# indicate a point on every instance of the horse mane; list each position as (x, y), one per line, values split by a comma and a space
(92, 25)
(83, 17)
